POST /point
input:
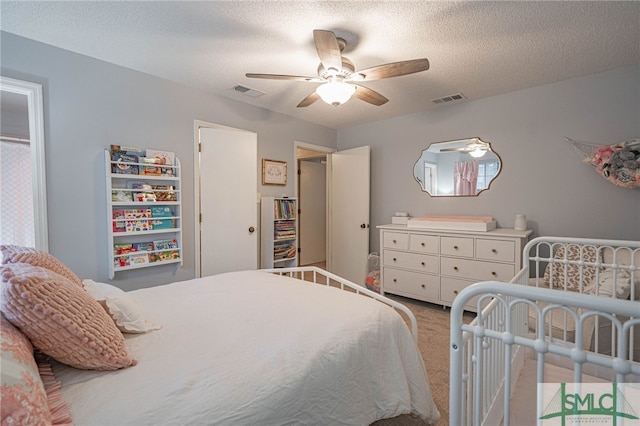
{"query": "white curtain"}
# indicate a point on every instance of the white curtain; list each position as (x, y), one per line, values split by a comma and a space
(465, 177)
(16, 195)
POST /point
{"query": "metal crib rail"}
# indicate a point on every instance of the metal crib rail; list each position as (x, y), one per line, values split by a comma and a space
(475, 365)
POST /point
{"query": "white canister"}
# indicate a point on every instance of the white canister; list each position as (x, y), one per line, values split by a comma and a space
(520, 223)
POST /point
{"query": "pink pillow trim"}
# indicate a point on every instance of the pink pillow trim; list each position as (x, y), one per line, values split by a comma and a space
(58, 408)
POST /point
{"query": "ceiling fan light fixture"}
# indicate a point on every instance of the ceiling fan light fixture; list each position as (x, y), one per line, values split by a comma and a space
(478, 152)
(336, 92)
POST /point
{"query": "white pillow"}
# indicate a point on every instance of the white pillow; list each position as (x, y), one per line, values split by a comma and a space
(120, 307)
(606, 280)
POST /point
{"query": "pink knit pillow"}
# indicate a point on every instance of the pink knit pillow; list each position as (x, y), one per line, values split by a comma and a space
(61, 319)
(32, 256)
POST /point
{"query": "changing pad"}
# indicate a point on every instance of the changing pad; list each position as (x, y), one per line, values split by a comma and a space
(461, 223)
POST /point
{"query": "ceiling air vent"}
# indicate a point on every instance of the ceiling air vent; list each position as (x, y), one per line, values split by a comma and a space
(247, 91)
(450, 98)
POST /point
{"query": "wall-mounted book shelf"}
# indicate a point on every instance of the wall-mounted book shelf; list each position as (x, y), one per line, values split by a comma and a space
(144, 211)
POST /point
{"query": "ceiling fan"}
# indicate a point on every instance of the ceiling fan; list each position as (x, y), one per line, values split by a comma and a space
(476, 148)
(339, 76)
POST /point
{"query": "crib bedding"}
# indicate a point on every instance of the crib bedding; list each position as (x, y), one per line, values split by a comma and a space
(248, 348)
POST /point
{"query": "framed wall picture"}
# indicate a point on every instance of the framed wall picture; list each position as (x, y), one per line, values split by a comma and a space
(274, 172)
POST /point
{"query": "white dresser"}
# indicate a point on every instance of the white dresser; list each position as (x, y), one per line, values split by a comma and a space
(435, 265)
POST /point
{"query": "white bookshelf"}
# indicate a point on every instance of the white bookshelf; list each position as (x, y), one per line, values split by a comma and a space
(139, 216)
(279, 232)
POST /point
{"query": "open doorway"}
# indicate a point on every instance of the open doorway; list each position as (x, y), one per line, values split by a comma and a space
(311, 190)
(346, 212)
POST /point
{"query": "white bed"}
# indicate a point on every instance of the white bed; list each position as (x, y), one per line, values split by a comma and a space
(529, 334)
(254, 348)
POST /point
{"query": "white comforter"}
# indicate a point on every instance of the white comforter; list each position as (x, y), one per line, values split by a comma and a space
(251, 348)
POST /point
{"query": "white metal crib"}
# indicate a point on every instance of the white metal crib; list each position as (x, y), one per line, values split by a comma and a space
(570, 325)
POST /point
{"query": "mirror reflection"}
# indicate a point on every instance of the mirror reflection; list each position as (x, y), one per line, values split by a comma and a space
(460, 168)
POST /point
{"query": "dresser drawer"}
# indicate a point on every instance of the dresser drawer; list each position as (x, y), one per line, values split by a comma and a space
(411, 284)
(456, 246)
(476, 270)
(424, 243)
(395, 240)
(414, 261)
(451, 287)
(498, 250)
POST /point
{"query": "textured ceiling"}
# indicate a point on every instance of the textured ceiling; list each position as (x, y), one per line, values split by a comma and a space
(478, 48)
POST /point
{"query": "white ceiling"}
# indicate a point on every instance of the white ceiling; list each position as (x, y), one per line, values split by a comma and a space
(478, 48)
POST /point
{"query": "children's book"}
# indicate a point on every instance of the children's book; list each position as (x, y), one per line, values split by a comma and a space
(150, 166)
(121, 253)
(164, 192)
(143, 247)
(134, 184)
(158, 212)
(125, 164)
(138, 258)
(120, 195)
(137, 220)
(144, 197)
(162, 158)
(126, 149)
(166, 255)
(119, 222)
(161, 245)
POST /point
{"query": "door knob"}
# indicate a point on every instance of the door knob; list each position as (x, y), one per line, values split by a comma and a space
(251, 229)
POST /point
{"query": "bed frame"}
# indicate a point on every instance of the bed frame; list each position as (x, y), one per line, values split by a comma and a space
(320, 276)
(515, 323)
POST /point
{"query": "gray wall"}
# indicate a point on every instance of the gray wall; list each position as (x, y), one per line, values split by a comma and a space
(542, 176)
(89, 105)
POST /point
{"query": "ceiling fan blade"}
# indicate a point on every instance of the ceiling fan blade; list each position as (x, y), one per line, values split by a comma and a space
(284, 77)
(309, 100)
(370, 96)
(328, 49)
(394, 69)
(463, 149)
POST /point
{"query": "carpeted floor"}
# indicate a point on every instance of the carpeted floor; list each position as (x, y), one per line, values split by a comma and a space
(433, 342)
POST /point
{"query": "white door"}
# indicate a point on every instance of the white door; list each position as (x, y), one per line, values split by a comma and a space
(313, 207)
(228, 201)
(349, 213)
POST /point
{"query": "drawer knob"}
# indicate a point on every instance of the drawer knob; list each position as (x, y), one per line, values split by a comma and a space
(455, 291)
(422, 285)
(494, 273)
(394, 241)
(455, 247)
(455, 268)
(422, 263)
(494, 251)
(395, 280)
(422, 244)
(394, 259)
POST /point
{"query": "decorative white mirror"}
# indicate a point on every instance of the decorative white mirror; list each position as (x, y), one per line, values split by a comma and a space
(459, 168)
